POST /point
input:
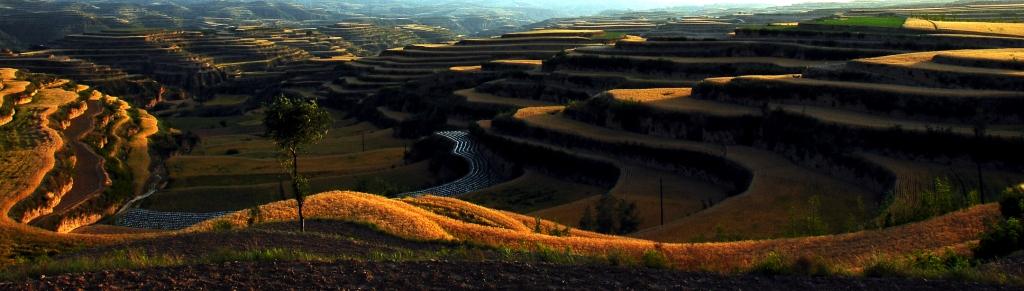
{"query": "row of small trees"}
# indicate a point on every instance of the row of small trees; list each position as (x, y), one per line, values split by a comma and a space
(612, 216)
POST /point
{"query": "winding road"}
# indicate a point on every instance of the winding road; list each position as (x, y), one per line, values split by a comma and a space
(481, 175)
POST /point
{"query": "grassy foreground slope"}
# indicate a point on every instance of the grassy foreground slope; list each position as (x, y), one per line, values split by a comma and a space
(446, 219)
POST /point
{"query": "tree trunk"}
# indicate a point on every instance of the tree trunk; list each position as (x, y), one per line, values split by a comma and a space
(295, 187)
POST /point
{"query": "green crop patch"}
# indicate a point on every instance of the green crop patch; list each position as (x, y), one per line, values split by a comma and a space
(872, 21)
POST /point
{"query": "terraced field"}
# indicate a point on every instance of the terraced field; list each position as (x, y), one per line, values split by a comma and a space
(664, 62)
(233, 160)
(776, 182)
(988, 28)
(824, 140)
(415, 62)
(60, 189)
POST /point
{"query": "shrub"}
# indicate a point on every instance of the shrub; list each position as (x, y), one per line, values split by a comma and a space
(231, 152)
(548, 254)
(924, 265)
(222, 225)
(772, 264)
(655, 259)
(614, 216)
(1012, 203)
(620, 258)
(814, 266)
(942, 198)
(1001, 239)
(777, 264)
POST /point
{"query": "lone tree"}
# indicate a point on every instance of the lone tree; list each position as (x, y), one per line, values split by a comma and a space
(294, 123)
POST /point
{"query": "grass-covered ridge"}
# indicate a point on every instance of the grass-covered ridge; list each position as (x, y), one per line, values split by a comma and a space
(405, 219)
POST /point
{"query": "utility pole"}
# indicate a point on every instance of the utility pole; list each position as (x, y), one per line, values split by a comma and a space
(363, 139)
(661, 195)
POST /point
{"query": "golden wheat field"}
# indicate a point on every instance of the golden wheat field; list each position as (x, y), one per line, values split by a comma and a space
(8, 73)
(679, 100)
(519, 62)
(419, 219)
(995, 28)
(465, 68)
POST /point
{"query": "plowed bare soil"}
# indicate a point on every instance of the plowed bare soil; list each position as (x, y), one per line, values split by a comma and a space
(451, 275)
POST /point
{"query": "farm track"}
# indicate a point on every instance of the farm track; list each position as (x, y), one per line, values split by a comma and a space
(89, 176)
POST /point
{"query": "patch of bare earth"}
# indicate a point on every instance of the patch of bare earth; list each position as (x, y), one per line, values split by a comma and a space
(447, 275)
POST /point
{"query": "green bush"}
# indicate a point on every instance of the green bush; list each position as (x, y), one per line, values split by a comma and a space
(772, 264)
(924, 265)
(548, 254)
(1012, 203)
(777, 264)
(620, 258)
(614, 216)
(1001, 239)
(655, 259)
(815, 266)
(222, 225)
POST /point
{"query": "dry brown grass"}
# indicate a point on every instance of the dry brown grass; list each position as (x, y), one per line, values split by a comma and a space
(12, 87)
(8, 74)
(465, 68)
(649, 95)
(392, 216)
(405, 220)
(991, 28)
(537, 111)
(519, 61)
(679, 99)
(487, 215)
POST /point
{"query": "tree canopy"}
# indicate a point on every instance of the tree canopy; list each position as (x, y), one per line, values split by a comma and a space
(293, 122)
